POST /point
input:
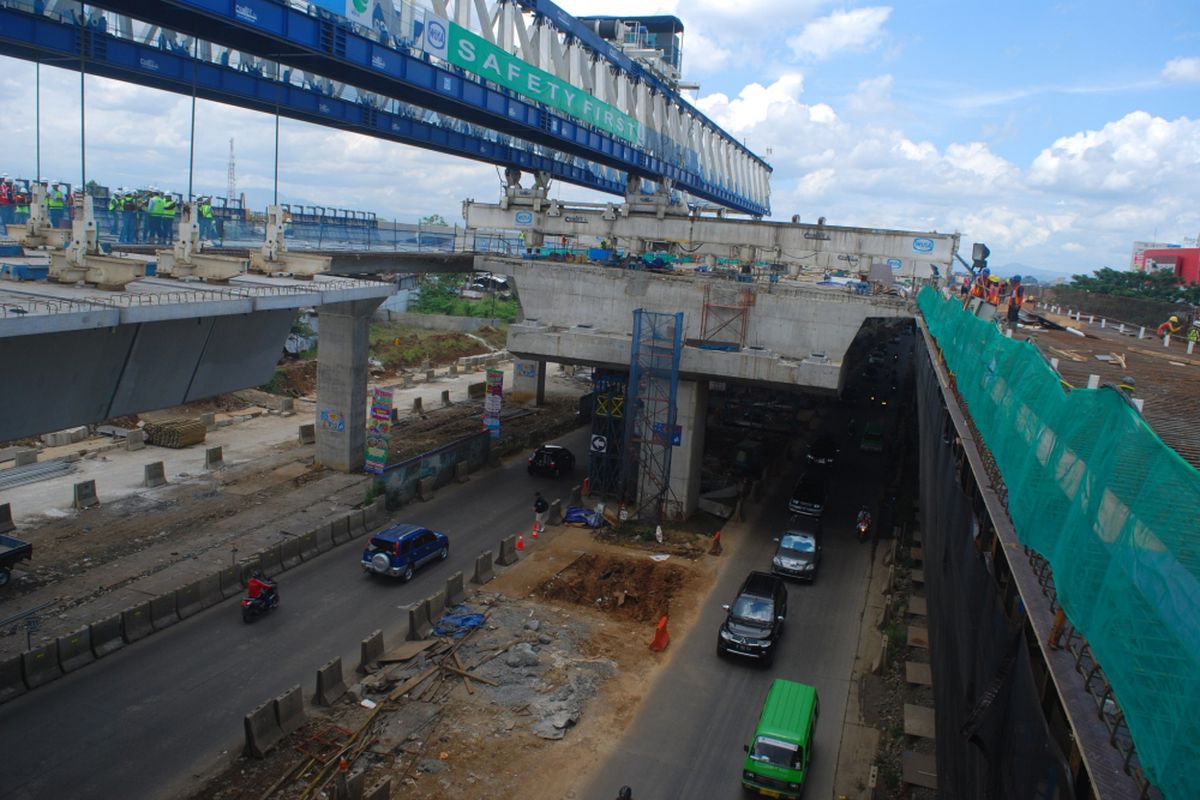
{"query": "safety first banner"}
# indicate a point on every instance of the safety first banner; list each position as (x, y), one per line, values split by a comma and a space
(477, 55)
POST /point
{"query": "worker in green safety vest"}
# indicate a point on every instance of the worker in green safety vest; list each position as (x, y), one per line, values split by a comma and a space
(56, 204)
(204, 207)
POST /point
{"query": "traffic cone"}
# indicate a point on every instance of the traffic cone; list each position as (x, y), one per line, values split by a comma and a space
(715, 550)
(586, 488)
(661, 637)
(534, 533)
(520, 542)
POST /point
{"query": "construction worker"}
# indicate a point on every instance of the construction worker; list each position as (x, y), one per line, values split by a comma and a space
(7, 202)
(158, 217)
(205, 213)
(20, 202)
(129, 216)
(1171, 326)
(1193, 335)
(144, 224)
(1015, 298)
(993, 290)
(170, 211)
(56, 204)
(114, 210)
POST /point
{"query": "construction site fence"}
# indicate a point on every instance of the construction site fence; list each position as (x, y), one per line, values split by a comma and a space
(1114, 308)
(1092, 489)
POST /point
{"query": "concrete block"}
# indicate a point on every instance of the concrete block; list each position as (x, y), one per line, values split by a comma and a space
(308, 545)
(331, 683)
(307, 433)
(355, 783)
(453, 370)
(417, 409)
(555, 517)
(270, 561)
(425, 489)
(198, 595)
(75, 650)
(155, 474)
(419, 624)
(163, 612)
(405, 381)
(289, 710)
(437, 605)
(25, 457)
(136, 623)
(135, 439)
(209, 421)
(462, 472)
(231, 580)
(372, 513)
(12, 681)
(445, 397)
(339, 528)
(85, 495)
(287, 405)
(455, 591)
(477, 390)
(484, 571)
(356, 523)
(289, 552)
(430, 375)
(380, 791)
(6, 520)
(214, 458)
(106, 636)
(574, 498)
(508, 551)
(262, 730)
(40, 665)
(369, 652)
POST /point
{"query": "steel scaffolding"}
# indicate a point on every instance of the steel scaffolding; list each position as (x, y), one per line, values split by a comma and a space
(608, 433)
(650, 426)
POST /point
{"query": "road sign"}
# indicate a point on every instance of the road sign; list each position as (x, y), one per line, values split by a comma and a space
(599, 444)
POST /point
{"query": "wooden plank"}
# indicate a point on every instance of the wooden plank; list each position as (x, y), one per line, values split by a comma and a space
(919, 769)
(918, 576)
(466, 674)
(918, 673)
(407, 650)
(919, 721)
(918, 637)
(916, 605)
(411, 684)
(465, 679)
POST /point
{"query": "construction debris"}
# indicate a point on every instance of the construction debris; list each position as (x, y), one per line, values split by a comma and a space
(175, 433)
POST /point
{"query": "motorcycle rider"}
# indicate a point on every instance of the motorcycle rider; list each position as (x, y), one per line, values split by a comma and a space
(261, 587)
(864, 522)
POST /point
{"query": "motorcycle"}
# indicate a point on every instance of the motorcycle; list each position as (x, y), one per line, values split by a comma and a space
(255, 607)
(864, 526)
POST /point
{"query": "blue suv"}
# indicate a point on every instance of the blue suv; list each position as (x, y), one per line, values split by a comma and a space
(400, 549)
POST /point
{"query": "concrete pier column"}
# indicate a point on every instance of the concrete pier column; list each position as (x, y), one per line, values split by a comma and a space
(529, 382)
(341, 421)
(691, 403)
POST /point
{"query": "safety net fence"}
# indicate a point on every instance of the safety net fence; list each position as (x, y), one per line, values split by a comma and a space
(1115, 511)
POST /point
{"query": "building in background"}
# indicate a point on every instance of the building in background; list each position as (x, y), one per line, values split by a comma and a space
(1138, 262)
(1185, 261)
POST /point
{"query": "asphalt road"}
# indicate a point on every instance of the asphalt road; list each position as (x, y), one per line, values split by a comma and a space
(145, 721)
(687, 739)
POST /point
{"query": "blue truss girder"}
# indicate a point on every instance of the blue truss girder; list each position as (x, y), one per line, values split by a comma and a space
(338, 50)
(52, 41)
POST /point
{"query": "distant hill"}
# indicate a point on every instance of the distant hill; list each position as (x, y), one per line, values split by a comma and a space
(1024, 270)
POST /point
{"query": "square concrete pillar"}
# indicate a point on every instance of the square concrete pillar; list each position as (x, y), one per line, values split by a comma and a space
(691, 404)
(341, 413)
(529, 383)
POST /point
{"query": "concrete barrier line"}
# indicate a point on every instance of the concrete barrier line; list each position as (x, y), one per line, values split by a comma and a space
(12, 678)
(75, 650)
(369, 652)
(40, 665)
(289, 710)
(163, 611)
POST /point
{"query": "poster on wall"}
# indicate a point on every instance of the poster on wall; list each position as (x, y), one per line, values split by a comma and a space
(492, 400)
(379, 431)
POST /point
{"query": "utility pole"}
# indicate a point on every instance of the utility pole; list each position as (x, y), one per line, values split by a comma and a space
(231, 181)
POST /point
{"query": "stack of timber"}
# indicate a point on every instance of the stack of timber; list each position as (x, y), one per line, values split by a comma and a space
(175, 433)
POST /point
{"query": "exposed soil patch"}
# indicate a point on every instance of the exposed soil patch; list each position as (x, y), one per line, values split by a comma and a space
(397, 346)
(637, 590)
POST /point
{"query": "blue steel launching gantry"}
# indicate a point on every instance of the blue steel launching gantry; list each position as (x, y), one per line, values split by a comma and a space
(519, 84)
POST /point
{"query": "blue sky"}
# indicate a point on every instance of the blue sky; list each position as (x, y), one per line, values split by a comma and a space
(1058, 133)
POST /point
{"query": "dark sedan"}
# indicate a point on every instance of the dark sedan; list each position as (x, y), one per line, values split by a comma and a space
(552, 460)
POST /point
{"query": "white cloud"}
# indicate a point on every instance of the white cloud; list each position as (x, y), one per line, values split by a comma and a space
(858, 29)
(757, 104)
(1182, 69)
(872, 96)
(703, 55)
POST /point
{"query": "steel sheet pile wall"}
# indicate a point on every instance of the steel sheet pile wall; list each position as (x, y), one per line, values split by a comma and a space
(992, 737)
(1094, 491)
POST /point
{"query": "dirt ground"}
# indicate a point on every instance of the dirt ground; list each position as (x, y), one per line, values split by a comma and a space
(561, 633)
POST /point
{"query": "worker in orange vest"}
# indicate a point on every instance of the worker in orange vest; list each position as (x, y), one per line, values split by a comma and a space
(1015, 299)
(993, 292)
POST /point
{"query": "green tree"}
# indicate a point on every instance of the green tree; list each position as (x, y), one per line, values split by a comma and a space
(1156, 285)
(434, 219)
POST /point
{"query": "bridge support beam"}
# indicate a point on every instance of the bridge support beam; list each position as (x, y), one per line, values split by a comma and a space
(529, 382)
(691, 412)
(341, 422)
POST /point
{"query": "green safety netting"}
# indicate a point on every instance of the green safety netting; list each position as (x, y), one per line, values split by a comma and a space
(1115, 511)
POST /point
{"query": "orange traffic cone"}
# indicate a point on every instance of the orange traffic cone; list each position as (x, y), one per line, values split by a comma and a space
(661, 637)
(715, 550)
(586, 488)
(520, 542)
(534, 533)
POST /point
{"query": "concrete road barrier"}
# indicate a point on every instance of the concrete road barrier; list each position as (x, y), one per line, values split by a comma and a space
(198, 595)
(85, 495)
(356, 523)
(462, 473)
(214, 457)
(155, 474)
(419, 624)
(331, 683)
(231, 581)
(445, 397)
(508, 551)
(209, 421)
(106, 636)
(289, 710)
(307, 434)
(573, 500)
(339, 528)
(555, 516)
(135, 623)
(40, 665)
(425, 489)
(380, 791)
(270, 561)
(287, 404)
(483, 568)
(12, 681)
(455, 591)
(262, 730)
(23, 458)
(289, 553)
(135, 439)
(437, 605)
(356, 782)
(417, 406)
(6, 520)
(309, 548)
(75, 650)
(476, 390)
(430, 375)
(369, 652)
(163, 612)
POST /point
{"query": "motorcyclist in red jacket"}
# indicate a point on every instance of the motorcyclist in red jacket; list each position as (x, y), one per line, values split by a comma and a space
(260, 586)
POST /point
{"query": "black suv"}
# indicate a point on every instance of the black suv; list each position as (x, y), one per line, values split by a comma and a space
(755, 620)
(552, 460)
(823, 452)
(808, 498)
